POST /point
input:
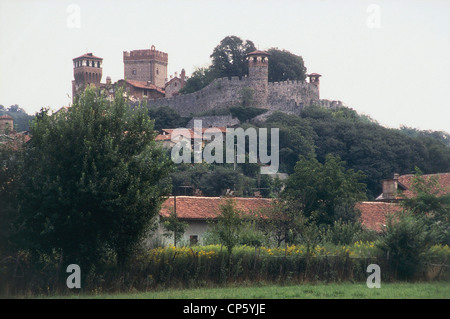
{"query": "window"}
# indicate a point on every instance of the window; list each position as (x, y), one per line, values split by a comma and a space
(133, 72)
(193, 240)
(145, 92)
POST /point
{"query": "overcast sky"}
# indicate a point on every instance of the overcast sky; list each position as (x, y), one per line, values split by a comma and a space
(386, 59)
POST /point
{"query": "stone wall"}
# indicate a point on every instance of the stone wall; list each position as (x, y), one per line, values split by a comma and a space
(221, 93)
(215, 121)
(291, 96)
(286, 96)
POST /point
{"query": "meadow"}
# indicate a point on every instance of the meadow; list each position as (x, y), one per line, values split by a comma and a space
(347, 290)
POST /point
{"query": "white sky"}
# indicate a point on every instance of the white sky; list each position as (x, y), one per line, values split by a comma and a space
(389, 61)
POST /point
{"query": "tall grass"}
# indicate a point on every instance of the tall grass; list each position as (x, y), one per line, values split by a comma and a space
(210, 266)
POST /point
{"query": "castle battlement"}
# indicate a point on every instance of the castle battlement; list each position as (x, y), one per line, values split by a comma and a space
(288, 83)
(252, 90)
(146, 54)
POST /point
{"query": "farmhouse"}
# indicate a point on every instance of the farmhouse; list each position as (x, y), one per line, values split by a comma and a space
(198, 211)
(373, 214)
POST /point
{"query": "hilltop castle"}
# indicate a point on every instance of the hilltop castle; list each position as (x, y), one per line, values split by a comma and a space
(145, 79)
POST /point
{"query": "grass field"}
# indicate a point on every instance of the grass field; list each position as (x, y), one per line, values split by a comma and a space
(431, 290)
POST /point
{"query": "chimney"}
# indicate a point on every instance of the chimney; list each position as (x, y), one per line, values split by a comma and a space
(390, 187)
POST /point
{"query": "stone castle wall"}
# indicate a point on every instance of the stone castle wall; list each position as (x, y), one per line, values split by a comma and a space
(286, 96)
(221, 93)
(292, 96)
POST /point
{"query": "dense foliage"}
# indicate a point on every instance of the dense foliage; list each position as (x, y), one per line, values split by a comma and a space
(90, 181)
(361, 143)
(284, 65)
(21, 118)
(229, 59)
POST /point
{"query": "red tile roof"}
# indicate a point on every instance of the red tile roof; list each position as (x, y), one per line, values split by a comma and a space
(443, 180)
(196, 207)
(373, 214)
(145, 85)
(88, 56)
(6, 117)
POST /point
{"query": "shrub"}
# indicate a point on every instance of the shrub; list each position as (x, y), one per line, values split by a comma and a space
(406, 241)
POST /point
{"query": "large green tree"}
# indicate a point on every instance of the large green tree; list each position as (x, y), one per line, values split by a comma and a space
(227, 59)
(92, 179)
(229, 56)
(324, 192)
(284, 65)
(200, 78)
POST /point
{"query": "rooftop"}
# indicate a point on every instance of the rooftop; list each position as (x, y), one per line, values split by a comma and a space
(258, 52)
(405, 183)
(201, 208)
(88, 56)
(144, 85)
(373, 214)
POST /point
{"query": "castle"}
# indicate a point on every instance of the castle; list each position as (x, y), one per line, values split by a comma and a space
(145, 79)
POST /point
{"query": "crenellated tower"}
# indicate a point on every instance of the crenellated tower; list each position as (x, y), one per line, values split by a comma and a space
(146, 65)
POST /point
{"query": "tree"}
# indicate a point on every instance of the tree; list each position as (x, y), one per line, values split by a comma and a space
(406, 240)
(229, 57)
(9, 165)
(216, 183)
(92, 179)
(166, 117)
(375, 150)
(228, 225)
(174, 227)
(324, 192)
(200, 78)
(284, 65)
(296, 138)
(430, 202)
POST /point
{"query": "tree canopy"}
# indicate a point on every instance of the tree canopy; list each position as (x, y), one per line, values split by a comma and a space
(284, 65)
(91, 180)
(325, 192)
(229, 59)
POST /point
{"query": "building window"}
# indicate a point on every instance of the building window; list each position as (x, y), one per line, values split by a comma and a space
(157, 71)
(145, 92)
(193, 240)
(133, 72)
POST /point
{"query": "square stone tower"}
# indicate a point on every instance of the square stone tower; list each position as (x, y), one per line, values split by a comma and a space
(146, 65)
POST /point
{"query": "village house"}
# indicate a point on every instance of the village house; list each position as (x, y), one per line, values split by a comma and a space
(168, 138)
(373, 214)
(198, 211)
